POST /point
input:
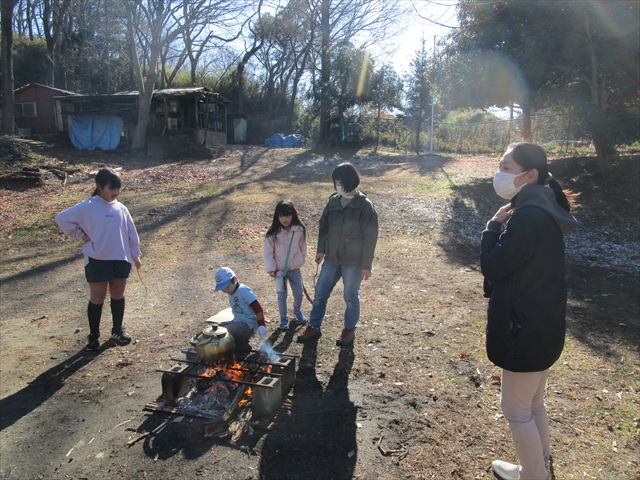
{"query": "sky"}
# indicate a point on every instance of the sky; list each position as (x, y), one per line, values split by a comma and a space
(428, 18)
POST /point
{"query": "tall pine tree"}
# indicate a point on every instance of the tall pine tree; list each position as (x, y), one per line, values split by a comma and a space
(418, 93)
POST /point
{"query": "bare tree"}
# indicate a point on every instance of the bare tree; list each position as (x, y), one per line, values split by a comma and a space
(151, 24)
(239, 73)
(289, 39)
(7, 65)
(343, 21)
(209, 24)
(54, 14)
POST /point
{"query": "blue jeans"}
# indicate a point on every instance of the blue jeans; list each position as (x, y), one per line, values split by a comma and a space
(294, 279)
(329, 276)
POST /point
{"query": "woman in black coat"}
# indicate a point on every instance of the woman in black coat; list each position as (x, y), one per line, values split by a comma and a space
(522, 260)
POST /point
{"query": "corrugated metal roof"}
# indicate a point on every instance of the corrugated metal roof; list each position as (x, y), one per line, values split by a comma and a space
(30, 85)
(178, 91)
(165, 92)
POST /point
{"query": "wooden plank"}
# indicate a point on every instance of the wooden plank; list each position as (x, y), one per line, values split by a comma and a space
(225, 315)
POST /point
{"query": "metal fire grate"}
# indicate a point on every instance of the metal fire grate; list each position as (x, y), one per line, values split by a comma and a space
(226, 390)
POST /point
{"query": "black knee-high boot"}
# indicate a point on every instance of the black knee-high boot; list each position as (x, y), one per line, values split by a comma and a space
(117, 313)
(94, 312)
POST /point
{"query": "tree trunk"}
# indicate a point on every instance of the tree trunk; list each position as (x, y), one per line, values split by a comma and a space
(378, 128)
(140, 133)
(598, 89)
(146, 93)
(324, 72)
(418, 131)
(605, 149)
(52, 18)
(526, 121)
(29, 19)
(240, 71)
(7, 66)
(145, 88)
(296, 81)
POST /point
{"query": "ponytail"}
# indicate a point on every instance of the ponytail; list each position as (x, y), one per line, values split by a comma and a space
(561, 198)
(530, 156)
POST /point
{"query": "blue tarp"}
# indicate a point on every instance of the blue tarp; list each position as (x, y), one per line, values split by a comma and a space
(281, 140)
(91, 131)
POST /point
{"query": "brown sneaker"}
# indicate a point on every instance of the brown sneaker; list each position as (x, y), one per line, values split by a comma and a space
(346, 337)
(309, 333)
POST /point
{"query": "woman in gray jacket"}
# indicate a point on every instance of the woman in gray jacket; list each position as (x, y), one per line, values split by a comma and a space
(347, 237)
(522, 261)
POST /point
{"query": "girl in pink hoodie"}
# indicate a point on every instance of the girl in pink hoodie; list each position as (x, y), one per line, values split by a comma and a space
(111, 245)
(286, 236)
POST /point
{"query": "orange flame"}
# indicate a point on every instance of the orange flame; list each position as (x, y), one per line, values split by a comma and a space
(246, 397)
(233, 370)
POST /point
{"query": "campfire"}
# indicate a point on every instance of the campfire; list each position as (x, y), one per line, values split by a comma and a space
(234, 395)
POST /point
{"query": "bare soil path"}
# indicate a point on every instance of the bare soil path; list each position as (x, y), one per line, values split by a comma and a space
(414, 398)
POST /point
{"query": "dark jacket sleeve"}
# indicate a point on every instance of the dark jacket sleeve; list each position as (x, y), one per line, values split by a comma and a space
(502, 254)
(323, 231)
(369, 224)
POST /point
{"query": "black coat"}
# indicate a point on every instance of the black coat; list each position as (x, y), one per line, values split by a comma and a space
(524, 270)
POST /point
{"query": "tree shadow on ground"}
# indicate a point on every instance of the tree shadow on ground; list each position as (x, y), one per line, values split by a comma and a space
(318, 438)
(604, 308)
(303, 167)
(472, 205)
(44, 386)
(294, 172)
(39, 270)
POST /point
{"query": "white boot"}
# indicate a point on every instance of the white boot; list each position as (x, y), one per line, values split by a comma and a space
(506, 470)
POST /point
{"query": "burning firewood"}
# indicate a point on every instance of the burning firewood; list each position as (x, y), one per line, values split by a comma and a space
(240, 426)
(216, 429)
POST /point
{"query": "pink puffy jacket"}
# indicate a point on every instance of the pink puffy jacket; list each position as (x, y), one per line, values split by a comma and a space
(275, 250)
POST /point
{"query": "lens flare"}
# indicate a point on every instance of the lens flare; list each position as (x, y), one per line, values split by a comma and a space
(362, 79)
(496, 79)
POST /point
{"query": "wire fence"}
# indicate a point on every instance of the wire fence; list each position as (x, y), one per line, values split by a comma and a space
(558, 132)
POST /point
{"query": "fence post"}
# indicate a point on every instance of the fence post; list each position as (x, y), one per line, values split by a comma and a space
(566, 148)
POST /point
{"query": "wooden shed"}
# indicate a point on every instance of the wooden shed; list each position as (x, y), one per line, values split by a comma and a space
(35, 109)
(192, 111)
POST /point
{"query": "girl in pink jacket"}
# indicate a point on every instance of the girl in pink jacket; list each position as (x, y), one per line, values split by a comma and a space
(285, 250)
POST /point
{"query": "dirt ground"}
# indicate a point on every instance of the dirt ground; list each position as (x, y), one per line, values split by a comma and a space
(415, 397)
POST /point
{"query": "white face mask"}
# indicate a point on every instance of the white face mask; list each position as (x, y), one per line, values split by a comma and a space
(504, 184)
(340, 190)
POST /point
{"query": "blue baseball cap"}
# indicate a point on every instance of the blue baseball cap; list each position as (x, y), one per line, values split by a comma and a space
(224, 275)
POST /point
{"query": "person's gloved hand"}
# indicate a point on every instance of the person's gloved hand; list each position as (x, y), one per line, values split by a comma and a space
(262, 331)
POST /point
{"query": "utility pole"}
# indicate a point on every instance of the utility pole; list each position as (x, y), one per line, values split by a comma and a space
(433, 102)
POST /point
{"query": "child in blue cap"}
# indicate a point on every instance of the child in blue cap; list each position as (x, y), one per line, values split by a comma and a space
(248, 317)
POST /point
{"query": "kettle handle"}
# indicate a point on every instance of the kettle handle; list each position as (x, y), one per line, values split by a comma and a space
(195, 338)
